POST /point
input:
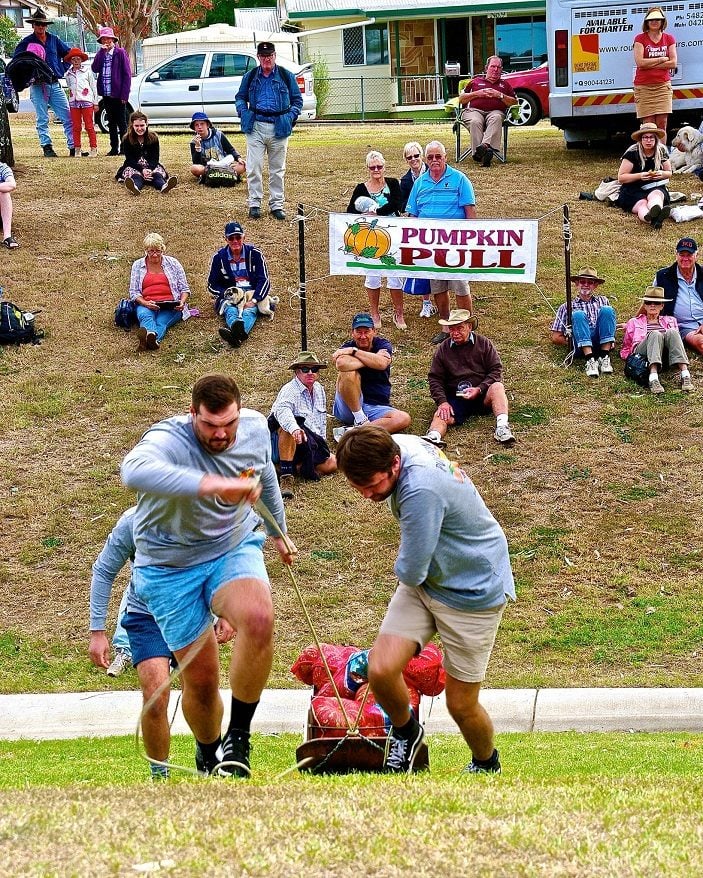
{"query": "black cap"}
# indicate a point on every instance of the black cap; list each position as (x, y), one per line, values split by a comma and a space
(266, 49)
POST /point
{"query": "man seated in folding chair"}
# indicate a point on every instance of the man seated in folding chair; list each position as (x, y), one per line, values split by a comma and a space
(486, 100)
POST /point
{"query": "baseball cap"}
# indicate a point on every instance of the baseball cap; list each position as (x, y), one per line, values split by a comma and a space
(233, 229)
(363, 319)
(266, 49)
(686, 245)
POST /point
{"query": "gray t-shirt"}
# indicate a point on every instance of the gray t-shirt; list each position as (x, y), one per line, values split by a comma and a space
(173, 526)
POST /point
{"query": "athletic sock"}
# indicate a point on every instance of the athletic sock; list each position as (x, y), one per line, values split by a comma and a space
(653, 376)
(502, 421)
(242, 715)
(159, 771)
(406, 731)
(286, 467)
(209, 751)
(489, 763)
(685, 373)
(359, 417)
(434, 434)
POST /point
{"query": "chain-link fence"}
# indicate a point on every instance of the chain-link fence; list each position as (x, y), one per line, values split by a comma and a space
(366, 97)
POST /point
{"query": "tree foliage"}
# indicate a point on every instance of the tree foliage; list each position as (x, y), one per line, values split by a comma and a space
(8, 36)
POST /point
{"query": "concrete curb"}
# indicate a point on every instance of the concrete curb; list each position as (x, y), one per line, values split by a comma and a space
(104, 714)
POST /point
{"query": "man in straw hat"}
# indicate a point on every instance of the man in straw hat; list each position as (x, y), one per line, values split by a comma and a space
(466, 378)
(593, 324)
(651, 335)
(454, 578)
(298, 420)
(111, 63)
(45, 95)
(683, 285)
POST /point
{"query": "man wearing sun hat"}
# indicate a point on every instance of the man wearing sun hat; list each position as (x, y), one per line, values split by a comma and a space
(466, 378)
(683, 285)
(592, 332)
(268, 105)
(298, 421)
(363, 391)
(111, 63)
(44, 95)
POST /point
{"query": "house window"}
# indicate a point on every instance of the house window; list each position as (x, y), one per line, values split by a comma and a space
(521, 42)
(365, 45)
(15, 15)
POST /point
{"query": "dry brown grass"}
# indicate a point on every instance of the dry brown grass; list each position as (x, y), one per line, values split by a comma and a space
(596, 497)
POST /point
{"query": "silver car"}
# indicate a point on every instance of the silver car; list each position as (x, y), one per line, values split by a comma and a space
(206, 81)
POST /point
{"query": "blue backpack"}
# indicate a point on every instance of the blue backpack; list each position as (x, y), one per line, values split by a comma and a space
(15, 328)
(125, 314)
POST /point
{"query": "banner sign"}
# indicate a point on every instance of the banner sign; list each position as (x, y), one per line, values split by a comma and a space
(492, 250)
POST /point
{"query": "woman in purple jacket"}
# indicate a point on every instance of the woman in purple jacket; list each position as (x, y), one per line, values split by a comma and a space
(111, 63)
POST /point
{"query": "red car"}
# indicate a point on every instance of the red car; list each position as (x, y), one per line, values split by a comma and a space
(532, 92)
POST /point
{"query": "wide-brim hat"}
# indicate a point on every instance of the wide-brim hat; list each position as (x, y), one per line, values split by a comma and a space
(75, 52)
(587, 273)
(307, 358)
(39, 17)
(107, 33)
(457, 316)
(648, 128)
(655, 14)
(198, 117)
(654, 294)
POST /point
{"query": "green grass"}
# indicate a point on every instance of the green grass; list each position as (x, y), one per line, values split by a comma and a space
(565, 805)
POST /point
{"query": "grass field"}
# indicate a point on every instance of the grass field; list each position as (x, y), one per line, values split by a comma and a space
(597, 497)
(566, 805)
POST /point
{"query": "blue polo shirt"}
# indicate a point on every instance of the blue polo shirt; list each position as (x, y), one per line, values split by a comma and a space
(443, 199)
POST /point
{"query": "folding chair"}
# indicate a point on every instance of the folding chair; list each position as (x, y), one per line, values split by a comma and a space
(462, 153)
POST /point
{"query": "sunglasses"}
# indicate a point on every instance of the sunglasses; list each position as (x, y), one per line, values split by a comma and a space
(306, 369)
(235, 237)
(434, 156)
(415, 155)
(376, 167)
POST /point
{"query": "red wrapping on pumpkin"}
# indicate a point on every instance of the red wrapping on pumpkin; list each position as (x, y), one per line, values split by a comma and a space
(327, 719)
(310, 669)
(426, 672)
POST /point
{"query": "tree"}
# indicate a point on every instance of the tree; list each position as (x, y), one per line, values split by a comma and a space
(8, 36)
(178, 15)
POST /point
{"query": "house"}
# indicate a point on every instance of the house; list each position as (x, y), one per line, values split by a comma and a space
(402, 56)
(18, 11)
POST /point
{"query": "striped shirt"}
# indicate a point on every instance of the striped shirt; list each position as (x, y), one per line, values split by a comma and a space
(590, 309)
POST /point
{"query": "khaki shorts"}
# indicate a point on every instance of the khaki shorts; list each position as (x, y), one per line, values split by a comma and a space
(467, 635)
(458, 287)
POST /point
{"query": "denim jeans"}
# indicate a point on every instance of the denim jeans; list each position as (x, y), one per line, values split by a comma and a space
(604, 331)
(249, 316)
(120, 639)
(157, 321)
(43, 97)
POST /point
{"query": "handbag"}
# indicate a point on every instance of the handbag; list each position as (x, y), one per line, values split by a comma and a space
(637, 368)
(125, 314)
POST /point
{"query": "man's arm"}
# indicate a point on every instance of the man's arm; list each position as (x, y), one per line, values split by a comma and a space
(420, 515)
(436, 378)
(218, 280)
(352, 359)
(258, 274)
(283, 411)
(493, 367)
(241, 99)
(296, 99)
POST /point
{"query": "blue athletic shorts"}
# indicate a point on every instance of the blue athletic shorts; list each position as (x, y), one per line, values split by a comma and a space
(343, 413)
(180, 597)
(145, 638)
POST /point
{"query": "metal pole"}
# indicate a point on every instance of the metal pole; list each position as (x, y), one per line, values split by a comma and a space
(301, 284)
(566, 233)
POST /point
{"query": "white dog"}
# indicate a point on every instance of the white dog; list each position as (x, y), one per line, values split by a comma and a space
(239, 296)
(687, 150)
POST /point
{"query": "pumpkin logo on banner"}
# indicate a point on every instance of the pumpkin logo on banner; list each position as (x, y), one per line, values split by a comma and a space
(368, 240)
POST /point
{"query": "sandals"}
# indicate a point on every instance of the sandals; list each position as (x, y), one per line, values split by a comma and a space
(11, 243)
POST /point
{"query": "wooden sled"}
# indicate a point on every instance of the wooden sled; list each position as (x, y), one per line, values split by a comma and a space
(347, 752)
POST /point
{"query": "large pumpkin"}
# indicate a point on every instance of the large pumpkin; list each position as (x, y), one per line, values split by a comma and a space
(368, 240)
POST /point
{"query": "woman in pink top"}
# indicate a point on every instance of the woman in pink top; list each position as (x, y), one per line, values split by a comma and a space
(651, 335)
(655, 58)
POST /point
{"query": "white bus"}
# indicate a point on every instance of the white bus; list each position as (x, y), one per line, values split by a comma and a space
(591, 65)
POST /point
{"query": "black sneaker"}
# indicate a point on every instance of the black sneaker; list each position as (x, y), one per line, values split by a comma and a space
(401, 752)
(278, 214)
(488, 157)
(492, 768)
(438, 443)
(206, 766)
(236, 746)
(72, 152)
(480, 153)
(439, 338)
(227, 335)
(49, 152)
(254, 213)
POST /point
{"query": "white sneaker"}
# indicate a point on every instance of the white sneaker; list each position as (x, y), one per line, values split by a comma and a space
(338, 432)
(120, 663)
(605, 366)
(428, 309)
(686, 383)
(592, 368)
(504, 435)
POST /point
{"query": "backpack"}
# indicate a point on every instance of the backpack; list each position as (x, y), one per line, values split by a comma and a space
(14, 328)
(125, 314)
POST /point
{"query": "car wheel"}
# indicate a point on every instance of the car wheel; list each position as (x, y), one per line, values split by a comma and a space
(528, 112)
(101, 118)
(7, 153)
(12, 101)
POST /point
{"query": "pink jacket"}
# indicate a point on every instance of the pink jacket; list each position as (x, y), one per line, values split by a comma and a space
(636, 331)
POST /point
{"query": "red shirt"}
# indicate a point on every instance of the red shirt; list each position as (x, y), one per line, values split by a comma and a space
(654, 75)
(155, 288)
(488, 104)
